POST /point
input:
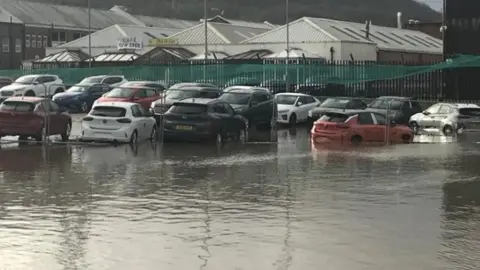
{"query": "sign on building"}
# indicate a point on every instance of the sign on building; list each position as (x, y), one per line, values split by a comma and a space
(129, 43)
(162, 41)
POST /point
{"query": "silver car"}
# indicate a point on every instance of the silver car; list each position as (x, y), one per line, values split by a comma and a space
(447, 119)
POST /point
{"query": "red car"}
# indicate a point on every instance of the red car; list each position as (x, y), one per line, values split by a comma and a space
(358, 127)
(143, 93)
(25, 117)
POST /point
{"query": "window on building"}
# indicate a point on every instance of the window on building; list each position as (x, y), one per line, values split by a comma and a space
(27, 41)
(33, 38)
(77, 35)
(45, 41)
(58, 38)
(39, 41)
(18, 45)
(6, 44)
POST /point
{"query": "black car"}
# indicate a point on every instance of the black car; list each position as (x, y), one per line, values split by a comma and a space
(342, 105)
(399, 109)
(203, 119)
(254, 103)
(173, 95)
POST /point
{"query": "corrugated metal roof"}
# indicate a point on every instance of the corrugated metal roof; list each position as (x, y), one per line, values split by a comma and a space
(221, 19)
(165, 22)
(108, 37)
(237, 33)
(300, 31)
(115, 57)
(252, 54)
(65, 56)
(211, 56)
(196, 35)
(60, 15)
(386, 38)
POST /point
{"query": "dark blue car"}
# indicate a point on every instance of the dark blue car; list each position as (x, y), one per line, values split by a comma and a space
(81, 97)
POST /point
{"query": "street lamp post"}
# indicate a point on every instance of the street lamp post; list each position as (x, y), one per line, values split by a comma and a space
(287, 59)
(89, 32)
(206, 40)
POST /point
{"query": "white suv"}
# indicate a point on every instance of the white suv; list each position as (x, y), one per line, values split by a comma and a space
(110, 80)
(33, 85)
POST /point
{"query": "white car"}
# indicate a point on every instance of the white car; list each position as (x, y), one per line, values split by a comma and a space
(33, 85)
(294, 107)
(118, 122)
(110, 80)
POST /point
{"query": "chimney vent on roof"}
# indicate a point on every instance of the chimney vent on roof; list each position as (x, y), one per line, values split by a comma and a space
(399, 20)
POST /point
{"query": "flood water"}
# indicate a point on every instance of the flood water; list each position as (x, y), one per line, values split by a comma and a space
(256, 206)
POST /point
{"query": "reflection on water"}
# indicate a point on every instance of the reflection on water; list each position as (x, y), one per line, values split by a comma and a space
(285, 205)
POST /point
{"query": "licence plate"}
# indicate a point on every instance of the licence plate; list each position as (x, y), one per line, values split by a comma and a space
(184, 128)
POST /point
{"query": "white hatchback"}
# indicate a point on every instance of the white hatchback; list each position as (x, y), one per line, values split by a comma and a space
(118, 122)
(294, 107)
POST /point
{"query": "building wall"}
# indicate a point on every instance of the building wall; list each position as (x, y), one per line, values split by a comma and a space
(359, 51)
(11, 51)
(418, 58)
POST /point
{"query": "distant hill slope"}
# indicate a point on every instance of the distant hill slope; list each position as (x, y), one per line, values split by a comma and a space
(381, 12)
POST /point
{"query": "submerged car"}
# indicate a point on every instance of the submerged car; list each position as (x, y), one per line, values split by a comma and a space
(180, 92)
(118, 122)
(447, 119)
(81, 97)
(204, 119)
(136, 94)
(336, 105)
(25, 117)
(399, 109)
(256, 104)
(358, 128)
(293, 108)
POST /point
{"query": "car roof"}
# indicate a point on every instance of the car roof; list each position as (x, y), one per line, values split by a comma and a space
(345, 112)
(200, 88)
(245, 89)
(26, 99)
(194, 84)
(122, 104)
(293, 94)
(395, 97)
(195, 101)
(39, 75)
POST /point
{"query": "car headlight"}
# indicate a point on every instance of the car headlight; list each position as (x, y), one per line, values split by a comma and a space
(309, 113)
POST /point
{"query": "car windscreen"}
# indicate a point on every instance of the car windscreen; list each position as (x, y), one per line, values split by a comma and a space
(475, 112)
(77, 89)
(334, 117)
(386, 104)
(108, 111)
(17, 106)
(92, 80)
(120, 93)
(286, 99)
(188, 109)
(236, 98)
(335, 103)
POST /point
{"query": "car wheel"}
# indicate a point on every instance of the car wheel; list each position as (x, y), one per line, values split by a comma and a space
(356, 140)
(153, 134)
(293, 120)
(447, 130)
(29, 93)
(39, 136)
(406, 138)
(134, 138)
(66, 133)
(84, 107)
(414, 126)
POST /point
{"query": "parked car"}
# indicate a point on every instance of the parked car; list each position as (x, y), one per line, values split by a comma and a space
(137, 94)
(4, 81)
(25, 117)
(118, 122)
(182, 85)
(33, 85)
(399, 109)
(278, 86)
(81, 97)
(293, 108)
(357, 128)
(254, 103)
(111, 80)
(322, 86)
(158, 86)
(203, 119)
(173, 95)
(447, 118)
(340, 104)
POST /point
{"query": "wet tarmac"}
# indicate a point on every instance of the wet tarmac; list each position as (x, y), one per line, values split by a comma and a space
(262, 205)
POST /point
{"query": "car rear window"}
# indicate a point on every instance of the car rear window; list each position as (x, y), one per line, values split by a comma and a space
(470, 111)
(188, 109)
(334, 118)
(17, 106)
(108, 111)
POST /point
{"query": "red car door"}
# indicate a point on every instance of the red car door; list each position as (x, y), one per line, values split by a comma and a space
(55, 118)
(145, 97)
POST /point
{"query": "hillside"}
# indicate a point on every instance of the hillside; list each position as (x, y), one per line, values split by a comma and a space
(378, 11)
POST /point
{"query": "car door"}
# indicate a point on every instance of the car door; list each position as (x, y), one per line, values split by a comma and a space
(139, 120)
(366, 127)
(380, 128)
(55, 118)
(151, 95)
(302, 108)
(311, 103)
(148, 122)
(260, 108)
(221, 117)
(141, 98)
(427, 118)
(49, 82)
(442, 113)
(95, 92)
